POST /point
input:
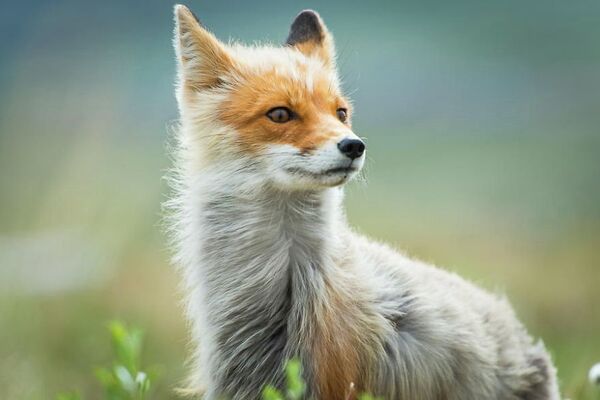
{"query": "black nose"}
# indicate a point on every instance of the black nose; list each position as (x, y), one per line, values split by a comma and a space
(352, 148)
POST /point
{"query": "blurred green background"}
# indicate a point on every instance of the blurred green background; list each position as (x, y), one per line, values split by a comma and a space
(482, 121)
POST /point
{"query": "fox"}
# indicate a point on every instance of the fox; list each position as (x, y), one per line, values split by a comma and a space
(272, 271)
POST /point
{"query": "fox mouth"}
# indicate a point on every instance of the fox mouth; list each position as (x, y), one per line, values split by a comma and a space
(347, 170)
(339, 170)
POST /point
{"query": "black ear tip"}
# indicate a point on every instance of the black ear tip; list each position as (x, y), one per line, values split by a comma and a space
(308, 19)
(308, 14)
(182, 8)
(306, 26)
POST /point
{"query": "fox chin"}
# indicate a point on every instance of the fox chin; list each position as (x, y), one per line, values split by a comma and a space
(271, 269)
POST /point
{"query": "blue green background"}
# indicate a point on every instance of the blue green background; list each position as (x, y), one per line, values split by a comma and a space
(482, 125)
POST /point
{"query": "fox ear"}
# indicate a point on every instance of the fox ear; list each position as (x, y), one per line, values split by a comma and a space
(309, 34)
(202, 59)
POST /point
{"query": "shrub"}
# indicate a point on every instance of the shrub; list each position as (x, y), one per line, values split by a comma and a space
(125, 380)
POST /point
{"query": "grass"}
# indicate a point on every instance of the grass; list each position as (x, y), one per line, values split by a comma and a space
(126, 379)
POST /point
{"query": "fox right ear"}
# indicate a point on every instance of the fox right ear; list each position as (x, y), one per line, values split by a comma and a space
(202, 59)
(310, 36)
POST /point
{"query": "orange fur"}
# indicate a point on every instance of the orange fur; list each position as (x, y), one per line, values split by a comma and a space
(337, 350)
(316, 120)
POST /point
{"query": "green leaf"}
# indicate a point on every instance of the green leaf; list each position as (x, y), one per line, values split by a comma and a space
(366, 396)
(295, 383)
(127, 344)
(125, 379)
(142, 383)
(270, 393)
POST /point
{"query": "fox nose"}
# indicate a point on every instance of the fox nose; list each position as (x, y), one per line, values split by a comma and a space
(352, 148)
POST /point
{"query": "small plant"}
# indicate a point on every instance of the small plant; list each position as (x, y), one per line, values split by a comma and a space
(296, 388)
(124, 380)
(368, 397)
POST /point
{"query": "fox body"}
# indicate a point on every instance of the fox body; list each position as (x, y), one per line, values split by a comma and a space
(271, 269)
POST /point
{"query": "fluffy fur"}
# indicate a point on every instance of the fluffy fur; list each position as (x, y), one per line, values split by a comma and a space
(270, 267)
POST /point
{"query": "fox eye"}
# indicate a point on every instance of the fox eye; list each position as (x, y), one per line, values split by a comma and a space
(280, 114)
(342, 114)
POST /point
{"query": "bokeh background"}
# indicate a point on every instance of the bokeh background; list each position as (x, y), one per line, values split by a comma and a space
(482, 121)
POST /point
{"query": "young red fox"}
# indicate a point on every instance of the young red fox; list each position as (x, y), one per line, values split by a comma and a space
(272, 270)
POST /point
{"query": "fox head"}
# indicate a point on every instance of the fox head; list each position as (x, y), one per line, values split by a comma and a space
(277, 111)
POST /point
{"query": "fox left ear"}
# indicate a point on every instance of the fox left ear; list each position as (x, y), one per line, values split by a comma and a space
(309, 35)
(202, 59)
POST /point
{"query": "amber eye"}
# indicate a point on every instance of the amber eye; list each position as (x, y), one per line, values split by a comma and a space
(280, 114)
(342, 114)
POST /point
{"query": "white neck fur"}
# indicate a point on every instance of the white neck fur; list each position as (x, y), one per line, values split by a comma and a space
(255, 261)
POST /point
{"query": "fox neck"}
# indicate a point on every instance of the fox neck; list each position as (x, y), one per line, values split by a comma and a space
(264, 262)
